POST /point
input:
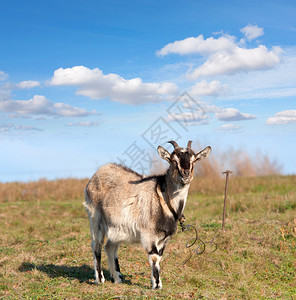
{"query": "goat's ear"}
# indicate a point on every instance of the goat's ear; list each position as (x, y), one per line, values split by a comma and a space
(163, 153)
(203, 153)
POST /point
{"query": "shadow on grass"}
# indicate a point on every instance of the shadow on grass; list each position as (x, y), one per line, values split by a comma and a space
(83, 273)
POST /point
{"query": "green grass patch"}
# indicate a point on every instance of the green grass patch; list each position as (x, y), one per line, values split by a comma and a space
(45, 246)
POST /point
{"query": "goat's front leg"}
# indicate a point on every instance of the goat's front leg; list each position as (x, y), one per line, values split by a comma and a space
(154, 260)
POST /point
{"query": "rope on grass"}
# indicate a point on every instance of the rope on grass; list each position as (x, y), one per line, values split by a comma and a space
(201, 245)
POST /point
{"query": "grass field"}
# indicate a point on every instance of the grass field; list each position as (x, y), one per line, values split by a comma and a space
(45, 244)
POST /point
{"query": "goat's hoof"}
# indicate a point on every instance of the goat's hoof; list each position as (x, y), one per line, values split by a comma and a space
(157, 286)
(119, 278)
(100, 280)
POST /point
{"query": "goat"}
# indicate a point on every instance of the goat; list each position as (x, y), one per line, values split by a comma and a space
(128, 207)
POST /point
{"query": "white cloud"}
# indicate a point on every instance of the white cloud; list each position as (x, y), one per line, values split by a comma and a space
(187, 118)
(202, 118)
(252, 31)
(224, 55)
(39, 105)
(4, 94)
(201, 114)
(21, 127)
(20, 116)
(6, 127)
(205, 88)
(27, 84)
(198, 45)
(274, 83)
(3, 75)
(84, 124)
(233, 114)
(211, 108)
(228, 127)
(238, 60)
(66, 110)
(225, 114)
(95, 85)
(11, 127)
(282, 117)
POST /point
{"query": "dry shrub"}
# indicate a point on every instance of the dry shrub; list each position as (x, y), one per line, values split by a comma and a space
(240, 163)
(209, 177)
(208, 172)
(158, 166)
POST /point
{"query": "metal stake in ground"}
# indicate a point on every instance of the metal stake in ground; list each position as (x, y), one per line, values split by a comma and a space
(227, 172)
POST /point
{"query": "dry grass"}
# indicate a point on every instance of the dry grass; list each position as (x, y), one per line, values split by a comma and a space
(57, 190)
(45, 244)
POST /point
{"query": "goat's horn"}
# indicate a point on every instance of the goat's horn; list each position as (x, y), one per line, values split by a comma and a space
(189, 144)
(174, 144)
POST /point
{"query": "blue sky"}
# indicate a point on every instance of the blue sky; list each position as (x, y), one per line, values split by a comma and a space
(83, 83)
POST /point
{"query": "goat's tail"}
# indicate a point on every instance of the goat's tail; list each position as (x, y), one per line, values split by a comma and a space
(88, 203)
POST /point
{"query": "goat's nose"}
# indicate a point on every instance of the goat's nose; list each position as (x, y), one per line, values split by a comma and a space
(186, 173)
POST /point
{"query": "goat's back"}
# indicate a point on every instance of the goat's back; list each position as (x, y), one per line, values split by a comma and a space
(122, 195)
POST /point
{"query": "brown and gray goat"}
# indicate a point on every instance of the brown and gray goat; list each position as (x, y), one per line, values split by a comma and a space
(128, 207)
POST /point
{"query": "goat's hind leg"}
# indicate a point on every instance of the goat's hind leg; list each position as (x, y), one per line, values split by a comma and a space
(97, 254)
(111, 250)
(97, 234)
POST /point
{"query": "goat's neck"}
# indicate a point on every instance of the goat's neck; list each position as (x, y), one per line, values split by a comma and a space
(176, 195)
